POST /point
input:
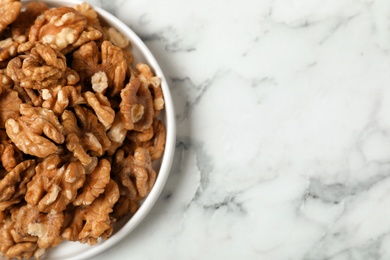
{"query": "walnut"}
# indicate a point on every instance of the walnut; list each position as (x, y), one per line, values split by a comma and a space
(10, 154)
(116, 134)
(5, 81)
(141, 137)
(122, 172)
(157, 143)
(58, 27)
(89, 34)
(89, 137)
(27, 95)
(144, 174)
(102, 107)
(116, 37)
(46, 227)
(9, 10)
(136, 107)
(135, 172)
(55, 184)
(154, 83)
(89, 13)
(25, 20)
(26, 131)
(13, 245)
(78, 128)
(92, 221)
(99, 82)
(112, 63)
(95, 184)
(8, 49)
(9, 106)
(124, 206)
(60, 98)
(13, 185)
(44, 67)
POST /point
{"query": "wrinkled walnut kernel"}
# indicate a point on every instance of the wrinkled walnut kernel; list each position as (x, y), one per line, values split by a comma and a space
(78, 128)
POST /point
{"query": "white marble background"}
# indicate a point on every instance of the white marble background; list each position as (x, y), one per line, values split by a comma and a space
(283, 113)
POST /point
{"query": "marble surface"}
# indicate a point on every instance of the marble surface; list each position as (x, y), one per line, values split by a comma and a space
(283, 123)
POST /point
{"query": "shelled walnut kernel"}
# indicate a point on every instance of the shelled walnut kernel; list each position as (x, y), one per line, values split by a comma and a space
(79, 128)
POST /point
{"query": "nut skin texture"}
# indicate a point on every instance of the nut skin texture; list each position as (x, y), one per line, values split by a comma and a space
(25, 20)
(59, 99)
(154, 84)
(58, 27)
(43, 67)
(45, 228)
(13, 185)
(79, 128)
(26, 131)
(9, 106)
(9, 11)
(86, 61)
(95, 183)
(10, 154)
(95, 216)
(54, 186)
(90, 136)
(102, 107)
(136, 107)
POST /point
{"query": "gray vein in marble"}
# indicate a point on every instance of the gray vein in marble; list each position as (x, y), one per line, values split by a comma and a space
(341, 22)
(184, 87)
(172, 40)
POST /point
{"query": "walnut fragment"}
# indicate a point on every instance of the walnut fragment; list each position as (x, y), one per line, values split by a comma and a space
(86, 61)
(79, 128)
(9, 11)
(43, 67)
(26, 131)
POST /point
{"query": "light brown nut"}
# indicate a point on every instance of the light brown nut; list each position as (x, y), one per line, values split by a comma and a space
(124, 206)
(102, 107)
(72, 77)
(13, 184)
(55, 184)
(9, 106)
(89, 34)
(8, 49)
(44, 67)
(89, 13)
(92, 221)
(144, 174)
(116, 134)
(5, 81)
(85, 136)
(86, 61)
(139, 138)
(99, 82)
(45, 228)
(26, 131)
(9, 10)
(157, 144)
(95, 184)
(122, 172)
(25, 20)
(116, 37)
(136, 107)
(58, 27)
(60, 98)
(154, 84)
(10, 154)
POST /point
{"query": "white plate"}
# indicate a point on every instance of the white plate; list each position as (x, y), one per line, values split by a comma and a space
(76, 250)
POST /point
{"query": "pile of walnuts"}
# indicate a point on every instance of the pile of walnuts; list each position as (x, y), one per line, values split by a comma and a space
(79, 127)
